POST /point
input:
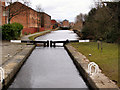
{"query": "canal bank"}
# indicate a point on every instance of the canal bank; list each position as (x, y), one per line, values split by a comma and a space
(14, 56)
(13, 65)
(50, 67)
(97, 81)
(46, 71)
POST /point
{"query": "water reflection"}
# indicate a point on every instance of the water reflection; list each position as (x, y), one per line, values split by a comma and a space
(50, 67)
(59, 36)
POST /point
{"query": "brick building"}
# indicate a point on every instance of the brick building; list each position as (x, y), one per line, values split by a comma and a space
(28, 17)
(54, 24)
(45, 21)
(59, 24)
(0, 13)
(2, 4)
(65, 23)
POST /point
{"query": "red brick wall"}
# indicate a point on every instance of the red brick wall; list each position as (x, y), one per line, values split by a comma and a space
(28, 17)
(33, 19)
(31, 30)
(53, 22)
(41, 29)
(47, 21)
(22, 18)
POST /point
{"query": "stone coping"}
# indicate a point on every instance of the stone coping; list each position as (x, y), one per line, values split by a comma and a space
(97, 81)
(13, 66)
(15, 63)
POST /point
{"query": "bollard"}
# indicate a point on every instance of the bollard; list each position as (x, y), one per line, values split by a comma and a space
(54, 44)
(67, 41)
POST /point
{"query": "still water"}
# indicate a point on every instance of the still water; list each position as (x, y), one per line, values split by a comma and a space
(50, 67)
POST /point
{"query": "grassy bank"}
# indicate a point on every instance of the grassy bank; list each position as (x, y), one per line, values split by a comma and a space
(107, 59)
(40, 34)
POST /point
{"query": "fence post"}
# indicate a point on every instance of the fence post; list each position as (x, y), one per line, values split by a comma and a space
(47, 43)
(50, 43)
(54, 44)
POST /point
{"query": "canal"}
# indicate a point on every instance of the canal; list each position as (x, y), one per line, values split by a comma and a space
(50, 67)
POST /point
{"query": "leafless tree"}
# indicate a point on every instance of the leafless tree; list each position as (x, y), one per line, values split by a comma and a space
(79, 21)
(80, 17)
(12, 10)
(39, 10)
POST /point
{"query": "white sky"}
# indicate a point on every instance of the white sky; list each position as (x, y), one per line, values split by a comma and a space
(64, 9)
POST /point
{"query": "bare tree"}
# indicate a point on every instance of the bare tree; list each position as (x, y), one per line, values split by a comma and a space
(80, 18)
(79, 21)
(39, 10)
(12, 9)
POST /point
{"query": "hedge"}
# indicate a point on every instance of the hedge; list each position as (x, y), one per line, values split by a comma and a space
(11, 31)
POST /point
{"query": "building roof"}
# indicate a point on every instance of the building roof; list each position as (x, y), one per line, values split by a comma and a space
(65, 20)
(22, 5)
(28, 7)
(45, 13)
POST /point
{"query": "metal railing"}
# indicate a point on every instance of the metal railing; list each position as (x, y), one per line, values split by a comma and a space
(47, 43)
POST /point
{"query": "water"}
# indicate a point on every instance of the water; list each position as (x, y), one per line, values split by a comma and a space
(59, 35)
(50, 67)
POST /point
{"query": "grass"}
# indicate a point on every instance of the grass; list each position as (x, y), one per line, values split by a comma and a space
(0, 27)
(107, 59)
(40, 34)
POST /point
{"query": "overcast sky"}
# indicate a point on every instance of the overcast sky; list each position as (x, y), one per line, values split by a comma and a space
(64, 9)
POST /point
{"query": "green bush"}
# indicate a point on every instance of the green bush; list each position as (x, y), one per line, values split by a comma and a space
(100, 24)
(11, 31)
(17, 29)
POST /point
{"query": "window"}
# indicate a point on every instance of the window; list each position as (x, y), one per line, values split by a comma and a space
(5, 13)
